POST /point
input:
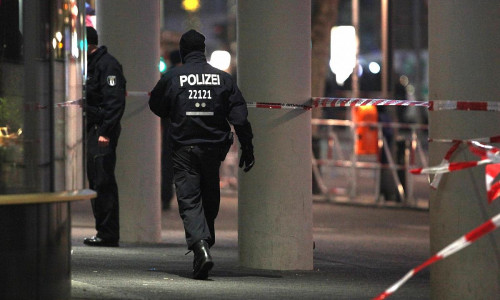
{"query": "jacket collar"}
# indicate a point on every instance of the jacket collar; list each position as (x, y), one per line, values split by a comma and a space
(97, 54)
(194, 57)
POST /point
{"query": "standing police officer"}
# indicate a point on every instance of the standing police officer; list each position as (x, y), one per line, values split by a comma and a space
(105, 104)
(201, 101)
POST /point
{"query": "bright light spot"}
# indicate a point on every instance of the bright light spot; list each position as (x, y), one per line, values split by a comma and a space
(374, 67)
(162, 66)
(74, 45)
(54, 43)
(220, 59)
(59, 36)
(343, 52)
(74, 10)
(191, 5)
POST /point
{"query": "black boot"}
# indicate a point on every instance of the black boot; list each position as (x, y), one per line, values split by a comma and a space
(202, 263)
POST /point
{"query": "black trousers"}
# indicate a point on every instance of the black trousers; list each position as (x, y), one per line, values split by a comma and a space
(101, 162)
(196, 177)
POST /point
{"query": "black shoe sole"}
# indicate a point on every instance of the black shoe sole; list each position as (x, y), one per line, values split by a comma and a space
(203, 271)
(105, 244)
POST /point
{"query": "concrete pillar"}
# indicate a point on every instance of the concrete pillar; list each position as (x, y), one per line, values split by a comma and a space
(275, 202)
(463, 65)
(131, 30)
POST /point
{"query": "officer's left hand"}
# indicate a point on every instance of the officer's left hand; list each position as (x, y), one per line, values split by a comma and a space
(247, 159)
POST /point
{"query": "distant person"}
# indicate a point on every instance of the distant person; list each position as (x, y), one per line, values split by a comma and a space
(201, 102)
(105, 104)
(167, 172)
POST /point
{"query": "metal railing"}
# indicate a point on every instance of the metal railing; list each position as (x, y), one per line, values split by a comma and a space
(337, 169)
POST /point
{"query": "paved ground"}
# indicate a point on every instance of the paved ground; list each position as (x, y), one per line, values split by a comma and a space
(360, 251)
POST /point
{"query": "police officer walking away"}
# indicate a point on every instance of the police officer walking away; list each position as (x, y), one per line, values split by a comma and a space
(201, 103)
(105, 104)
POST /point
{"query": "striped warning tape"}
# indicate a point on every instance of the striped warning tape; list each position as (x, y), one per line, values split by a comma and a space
(446, 160)
(78, 102)
(322, 102)
(435, 105)
(277, 105)
(454, 247)
(492, 139)
(346, 102)
(437, 178)
(464, 105)
(489, 156)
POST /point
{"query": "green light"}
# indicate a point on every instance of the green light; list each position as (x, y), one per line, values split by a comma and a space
(162, 66)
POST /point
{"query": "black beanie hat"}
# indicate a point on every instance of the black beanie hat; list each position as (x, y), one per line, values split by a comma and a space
(191, 41)
(92, 38)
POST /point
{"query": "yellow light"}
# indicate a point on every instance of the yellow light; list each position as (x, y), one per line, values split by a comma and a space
(191, 5)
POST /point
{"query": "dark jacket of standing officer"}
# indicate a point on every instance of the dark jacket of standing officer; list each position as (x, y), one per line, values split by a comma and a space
(201, 103)
(105, 104)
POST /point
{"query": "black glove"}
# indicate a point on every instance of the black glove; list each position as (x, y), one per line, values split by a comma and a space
(247, 159)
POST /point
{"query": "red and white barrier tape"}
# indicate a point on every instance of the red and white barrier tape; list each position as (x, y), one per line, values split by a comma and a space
(447, 167)
(435, 105)
(346, 102)
(489, 155)
(320, 102)
(446, 160)
(437, 178)
(454, 247)
(492, 139)
(78, 102)
(464, 105)
(277, 105)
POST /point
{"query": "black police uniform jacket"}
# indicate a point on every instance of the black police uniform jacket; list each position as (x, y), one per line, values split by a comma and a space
(200, 100)
(105, 92)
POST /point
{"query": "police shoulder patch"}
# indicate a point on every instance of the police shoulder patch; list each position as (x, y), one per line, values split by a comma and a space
(111, 80)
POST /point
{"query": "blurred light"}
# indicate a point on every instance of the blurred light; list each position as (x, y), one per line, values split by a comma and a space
(54, 43)
(403, 79)
(343, 52)
(74, 45)
(191, 5)
(74, 10)
(220, 59)
(410, 89)
(59, 36)
(374, 67)
(162, 66)
(360, 71)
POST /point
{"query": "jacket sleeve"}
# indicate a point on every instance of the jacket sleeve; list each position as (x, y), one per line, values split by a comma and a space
(238, 117)
(113, 87)
(157, 102)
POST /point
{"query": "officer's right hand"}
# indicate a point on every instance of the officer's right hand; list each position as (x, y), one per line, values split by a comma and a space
(247, 159)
